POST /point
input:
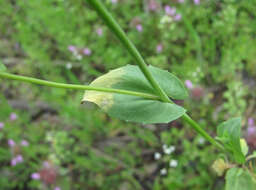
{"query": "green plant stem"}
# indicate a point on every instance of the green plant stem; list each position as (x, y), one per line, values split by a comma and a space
(74, 87)
(197, 127)
(117, 30)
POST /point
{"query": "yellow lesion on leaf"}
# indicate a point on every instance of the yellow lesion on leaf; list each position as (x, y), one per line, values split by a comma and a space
(220, 166)
(103, 99)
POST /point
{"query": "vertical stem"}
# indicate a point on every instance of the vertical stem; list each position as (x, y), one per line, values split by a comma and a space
(117, 30)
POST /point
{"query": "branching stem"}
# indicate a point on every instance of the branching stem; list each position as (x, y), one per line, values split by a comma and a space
(117, 30)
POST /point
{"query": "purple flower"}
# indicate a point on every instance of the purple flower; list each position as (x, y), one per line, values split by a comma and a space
(35, 176)
(159, 48)
(87, 51)
(113, 1)
(169, 10)
(99, 31)
(11, 143)
(177, 17)
(189, 84)
(250, 122)
(72, 48)
(1, 125)
(139, 27)
(251, 130)
(196, 2)
(19, 158)
(181, 1)
(57, 188)
(13, 162)
(24, 143)
(46, 164)
(13, 116)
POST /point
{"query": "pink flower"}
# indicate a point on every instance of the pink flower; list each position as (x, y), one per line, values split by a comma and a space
(11, 143)
(196, 2)
(35, 176)
(181, 1)
(13, 116)
(87, 51)
(177, 17)
(189, 84)
(197, 93)
(153, 5)
(1, 125)
(99, 31)
(169, 10)
(139, 27)
(72, 48)
(159, 48)
(57, 188)
(250, 122)
(24, 143)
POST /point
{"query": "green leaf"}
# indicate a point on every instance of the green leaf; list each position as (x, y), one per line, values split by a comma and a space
(229, 134)
(172, 86)
(138, 109)
(239, 179)
(2, 66)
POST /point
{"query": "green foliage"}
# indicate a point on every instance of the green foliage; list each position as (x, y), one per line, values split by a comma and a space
(213, 45)
(229, 134)
(238, 178)
(138, 109)
(2, 66)
(235, 98)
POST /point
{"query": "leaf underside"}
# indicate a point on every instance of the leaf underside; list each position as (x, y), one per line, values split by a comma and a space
(133, 108)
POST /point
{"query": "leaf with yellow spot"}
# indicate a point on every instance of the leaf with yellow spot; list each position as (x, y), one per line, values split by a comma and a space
(134, 108)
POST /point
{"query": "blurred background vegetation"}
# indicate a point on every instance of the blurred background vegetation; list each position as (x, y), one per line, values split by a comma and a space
(49, 141)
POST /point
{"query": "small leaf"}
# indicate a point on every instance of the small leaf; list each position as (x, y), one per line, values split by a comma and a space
(137, 109)
(229, 134)
(239, 179)
(2, 66)
(244, 147)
